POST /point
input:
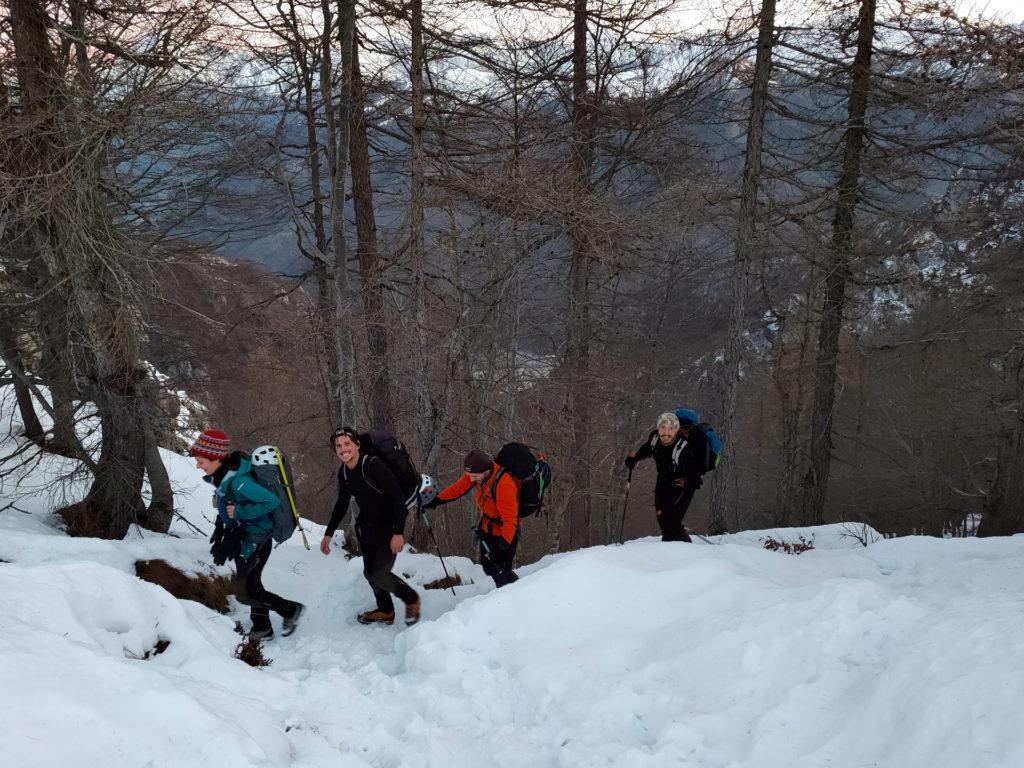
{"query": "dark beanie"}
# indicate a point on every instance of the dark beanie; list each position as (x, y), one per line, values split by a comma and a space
(478, 461)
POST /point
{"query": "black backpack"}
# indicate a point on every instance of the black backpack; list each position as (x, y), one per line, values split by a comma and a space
(707, 448)
(278, 478)
(704, 444)
(383, 444)
(532, 474)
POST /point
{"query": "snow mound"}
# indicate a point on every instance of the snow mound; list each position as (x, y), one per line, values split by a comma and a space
(79, 690)
(647, 654)
(906, 652)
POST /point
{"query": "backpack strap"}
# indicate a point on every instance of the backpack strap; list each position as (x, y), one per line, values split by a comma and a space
(366, 477)
(494, 484)
(494, 496)
(677, 452)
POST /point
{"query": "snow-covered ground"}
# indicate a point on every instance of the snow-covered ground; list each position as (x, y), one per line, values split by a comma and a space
(909, 653)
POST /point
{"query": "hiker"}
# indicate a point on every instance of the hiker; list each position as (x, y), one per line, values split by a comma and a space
(497, 498)
(242, 531)
(380, 527)
(678, 474)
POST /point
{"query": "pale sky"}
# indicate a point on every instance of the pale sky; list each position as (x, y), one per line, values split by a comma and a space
(1010, 10)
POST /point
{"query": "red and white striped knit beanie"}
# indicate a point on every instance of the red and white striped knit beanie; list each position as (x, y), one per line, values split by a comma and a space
(211, 444)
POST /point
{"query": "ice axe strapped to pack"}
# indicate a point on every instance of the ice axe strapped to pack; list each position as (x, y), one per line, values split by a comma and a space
(272, 471)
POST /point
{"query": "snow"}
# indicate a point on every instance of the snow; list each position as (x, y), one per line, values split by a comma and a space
(907, 652)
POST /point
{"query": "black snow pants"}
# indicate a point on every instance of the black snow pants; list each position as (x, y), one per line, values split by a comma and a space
(497, 556)
(378, 560)
(250, 590)
(671, 503)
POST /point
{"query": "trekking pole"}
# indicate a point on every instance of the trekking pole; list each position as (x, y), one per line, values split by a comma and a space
(430, 530)
(291, 499)
(625, 503)
(702, 538)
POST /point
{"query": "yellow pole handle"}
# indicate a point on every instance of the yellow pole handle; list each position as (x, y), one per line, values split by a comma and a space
(291, 499)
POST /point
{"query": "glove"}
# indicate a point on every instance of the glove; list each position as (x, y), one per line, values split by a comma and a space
(681, 482)
(630, 461)
(218, 531)
(227, 546)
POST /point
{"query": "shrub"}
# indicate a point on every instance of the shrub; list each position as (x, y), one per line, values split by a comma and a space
(444, 582)
(800, 546)
(250, 651)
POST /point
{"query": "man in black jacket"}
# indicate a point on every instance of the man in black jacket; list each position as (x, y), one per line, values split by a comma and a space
(380, 526)
(678, 476)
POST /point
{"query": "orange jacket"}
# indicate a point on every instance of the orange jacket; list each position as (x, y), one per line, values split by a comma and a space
(499, 512)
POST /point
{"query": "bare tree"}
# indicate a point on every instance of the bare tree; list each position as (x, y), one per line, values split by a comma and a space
(376, 366)
(837, 273)
(60, 201)
(745, 245)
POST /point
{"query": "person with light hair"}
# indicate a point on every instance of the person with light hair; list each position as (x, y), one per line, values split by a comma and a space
(678, 473)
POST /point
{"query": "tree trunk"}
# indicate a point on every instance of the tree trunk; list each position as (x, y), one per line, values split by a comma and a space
(426, 408)
(1004, 509)
(160, 512)
(115, 498)
(34, 61)
(322, 268)
(578, 347)
(340, 325)
(371, 267)
(815, 484)
(11, 354)
(745, 235)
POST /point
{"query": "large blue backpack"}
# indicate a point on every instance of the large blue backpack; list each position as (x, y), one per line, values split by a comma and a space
(707, 446)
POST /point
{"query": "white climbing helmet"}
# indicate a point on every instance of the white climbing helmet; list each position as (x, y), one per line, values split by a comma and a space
(265, 454)
(427, 491)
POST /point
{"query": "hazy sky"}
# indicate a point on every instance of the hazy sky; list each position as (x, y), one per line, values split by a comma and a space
(1011, 10)
(1006, 10)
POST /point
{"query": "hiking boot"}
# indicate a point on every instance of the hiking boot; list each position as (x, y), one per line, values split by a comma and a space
(376, 616)
(262, 635)
(289, 624)
(412, 613)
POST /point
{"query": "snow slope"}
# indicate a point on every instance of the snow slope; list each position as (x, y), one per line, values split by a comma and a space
(909, 652)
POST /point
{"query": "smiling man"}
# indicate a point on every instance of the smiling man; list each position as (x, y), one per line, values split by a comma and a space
(678, 474)
(380, 526)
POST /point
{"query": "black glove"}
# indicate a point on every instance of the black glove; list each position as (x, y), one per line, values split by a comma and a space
(218, 532)
(227, 546)
(630, 462)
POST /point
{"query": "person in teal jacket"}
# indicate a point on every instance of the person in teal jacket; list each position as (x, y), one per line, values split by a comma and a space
(242, 530)
(243, 502)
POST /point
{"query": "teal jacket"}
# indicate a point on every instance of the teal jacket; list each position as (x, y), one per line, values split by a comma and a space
(254, 505)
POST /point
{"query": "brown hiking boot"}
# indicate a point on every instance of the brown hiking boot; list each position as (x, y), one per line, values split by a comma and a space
(376, 616)
(412, 613)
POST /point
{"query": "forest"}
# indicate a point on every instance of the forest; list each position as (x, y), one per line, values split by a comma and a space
(549, 222)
